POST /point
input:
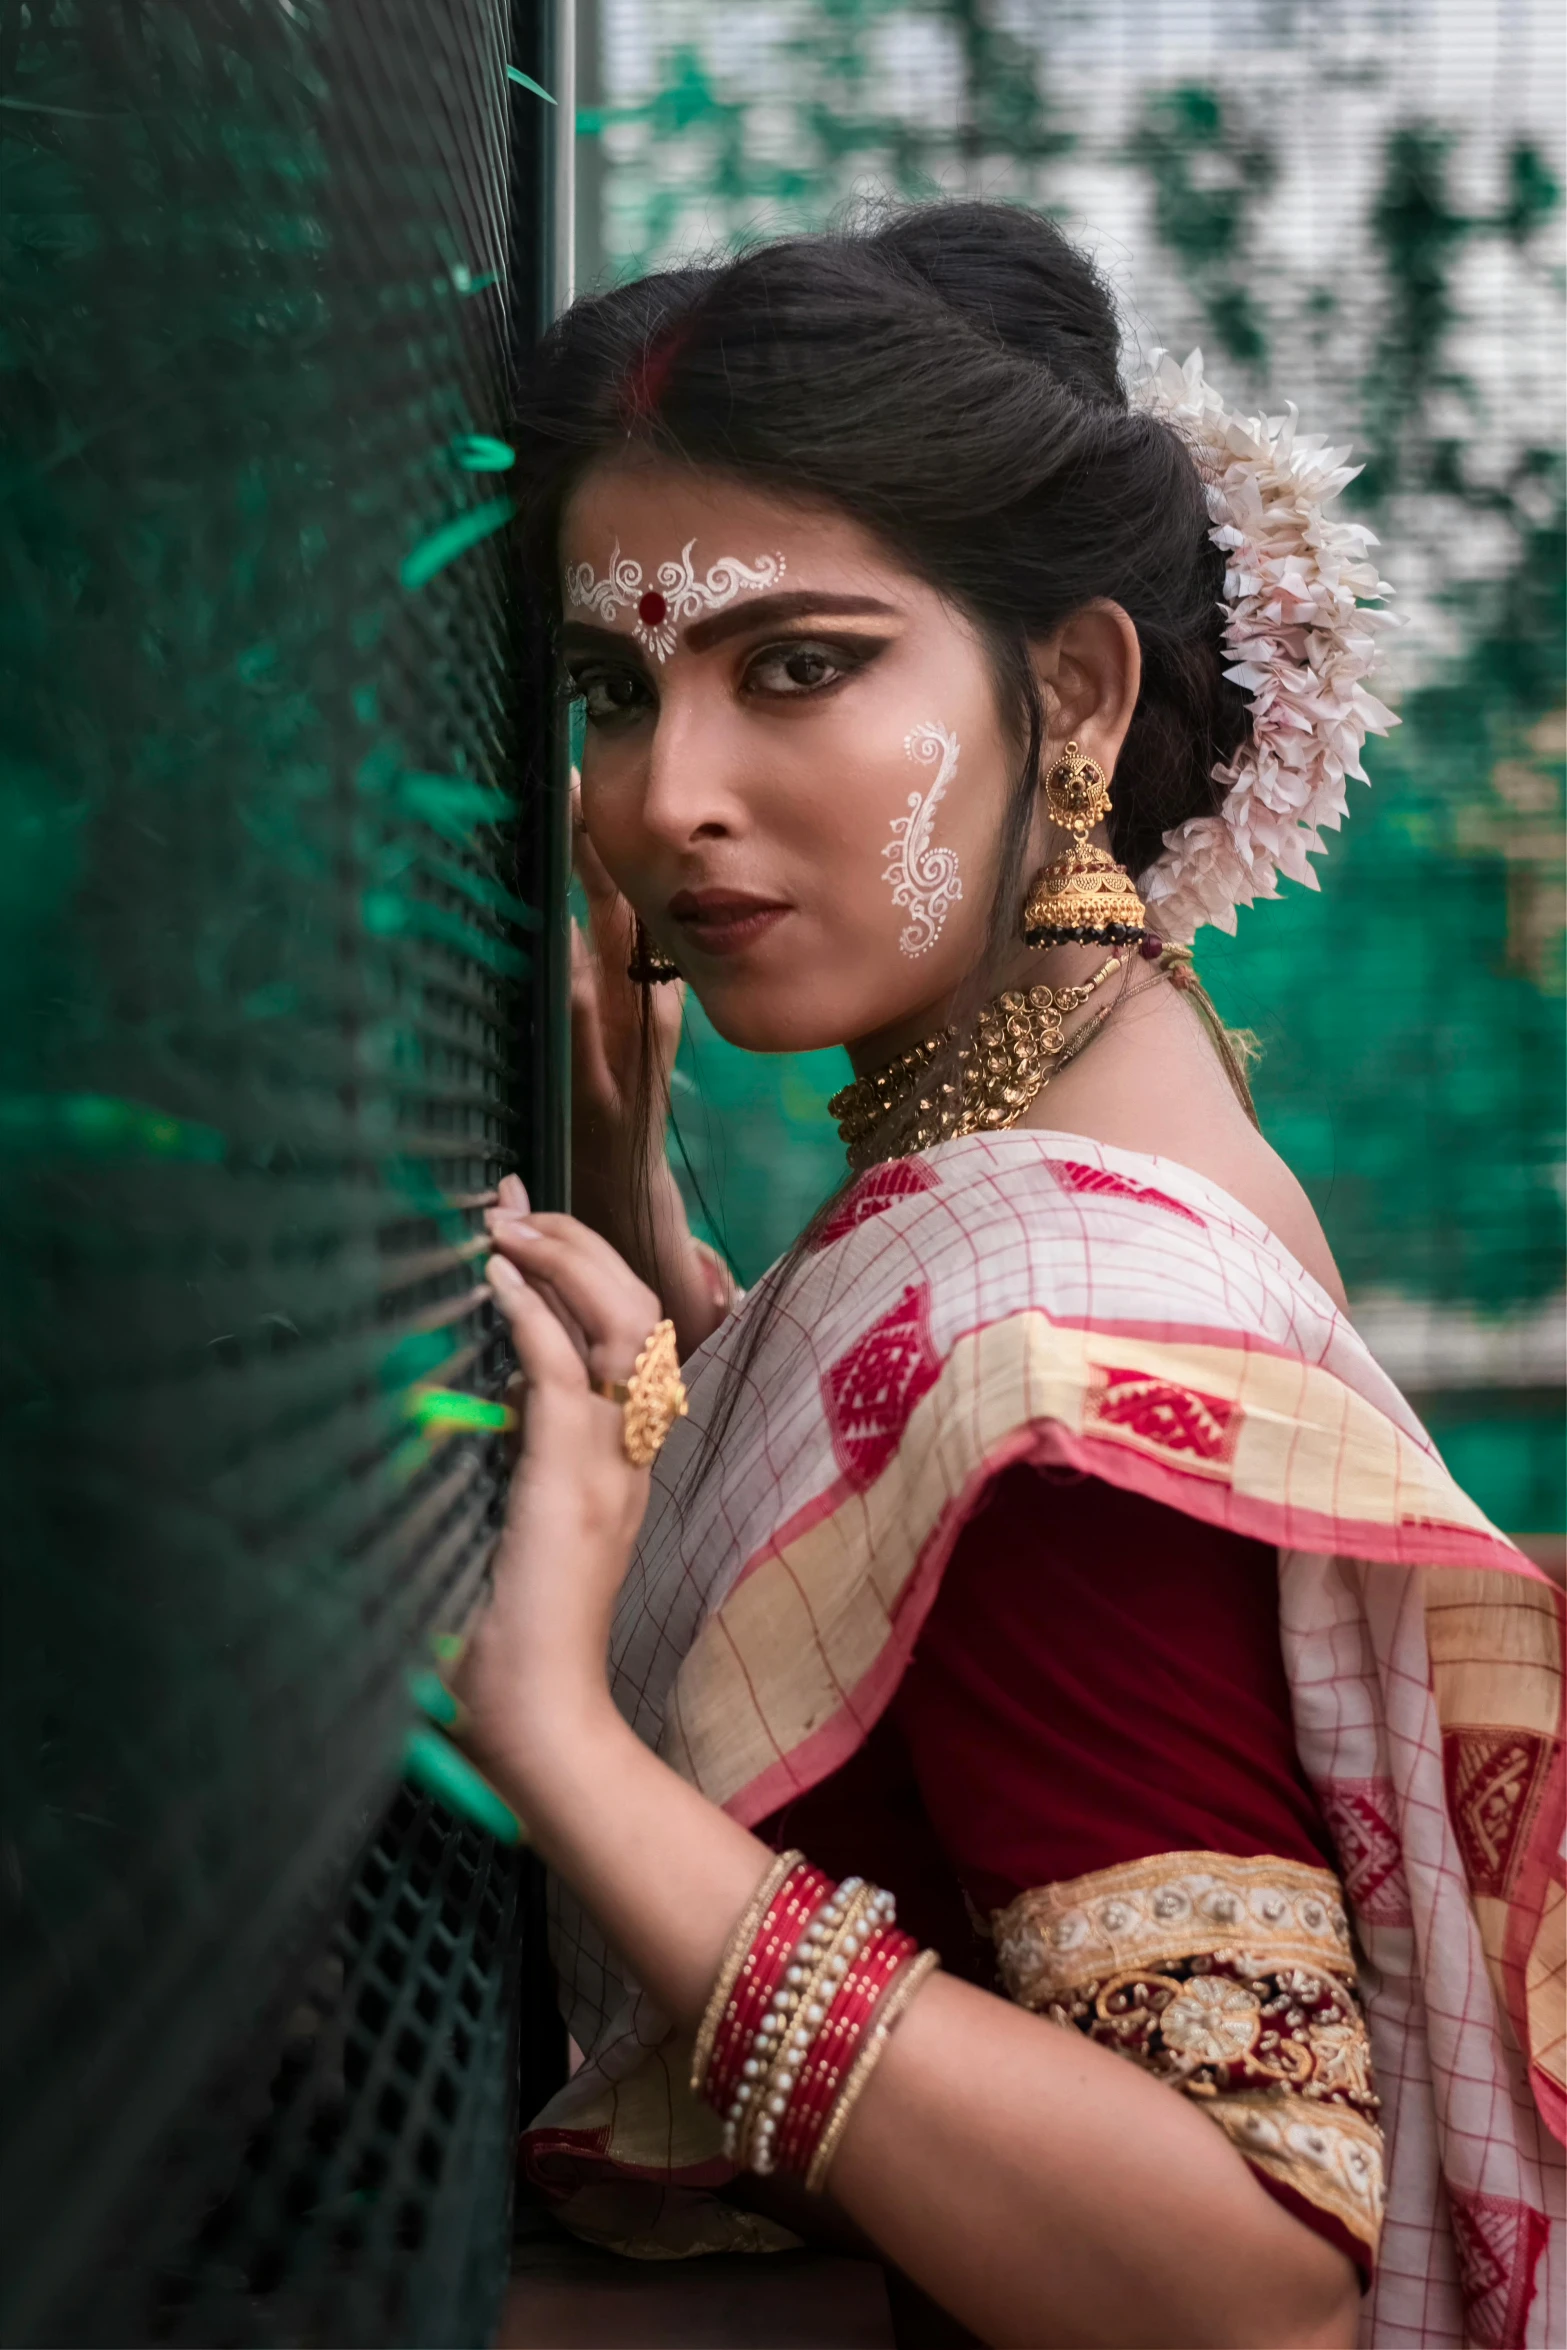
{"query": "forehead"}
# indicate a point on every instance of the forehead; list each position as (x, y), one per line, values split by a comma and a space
(650, 512)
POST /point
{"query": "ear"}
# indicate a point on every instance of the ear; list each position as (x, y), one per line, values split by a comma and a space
(1091, 672)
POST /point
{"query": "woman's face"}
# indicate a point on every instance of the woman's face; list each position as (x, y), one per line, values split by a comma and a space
(795, 768)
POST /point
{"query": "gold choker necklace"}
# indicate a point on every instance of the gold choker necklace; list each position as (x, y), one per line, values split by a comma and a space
(1015, 1048)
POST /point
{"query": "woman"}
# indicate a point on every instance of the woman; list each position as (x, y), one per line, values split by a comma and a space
(1041, 1546)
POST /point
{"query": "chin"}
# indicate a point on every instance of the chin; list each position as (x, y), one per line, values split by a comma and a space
(776, 1017)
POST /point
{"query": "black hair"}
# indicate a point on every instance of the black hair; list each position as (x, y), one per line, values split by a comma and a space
(949, 376)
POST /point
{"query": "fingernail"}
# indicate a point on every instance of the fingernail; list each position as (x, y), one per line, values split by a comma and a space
(511, 1191)
(512, 1222)
(502, 1275)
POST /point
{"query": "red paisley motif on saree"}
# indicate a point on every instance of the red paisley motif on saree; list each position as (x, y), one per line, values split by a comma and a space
(1362, 1814)
(1495, 1779)
(1108, 1185)
(878, 1190)
(870, 1392)
(1499, 2243)
(1167, 1418)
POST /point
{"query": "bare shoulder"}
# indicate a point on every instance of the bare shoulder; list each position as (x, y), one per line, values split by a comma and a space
(1153, 1083)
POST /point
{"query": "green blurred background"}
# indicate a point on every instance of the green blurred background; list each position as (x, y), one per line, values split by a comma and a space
(1357, 208)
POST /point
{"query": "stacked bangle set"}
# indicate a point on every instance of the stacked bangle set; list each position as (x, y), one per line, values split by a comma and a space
(812, 1982)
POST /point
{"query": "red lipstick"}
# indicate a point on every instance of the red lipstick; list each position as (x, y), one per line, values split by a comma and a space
(724, 921)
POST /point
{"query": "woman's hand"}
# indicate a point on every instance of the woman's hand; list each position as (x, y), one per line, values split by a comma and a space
(576, 1313)
(607, 1049)
(609, 1086)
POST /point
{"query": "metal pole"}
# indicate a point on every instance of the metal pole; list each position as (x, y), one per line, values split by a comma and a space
(543, 214)
(563, 47)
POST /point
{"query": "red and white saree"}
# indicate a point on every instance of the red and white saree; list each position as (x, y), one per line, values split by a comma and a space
(1035, 1297)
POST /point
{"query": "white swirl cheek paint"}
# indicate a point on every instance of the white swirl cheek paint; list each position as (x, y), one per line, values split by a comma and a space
(924, 879)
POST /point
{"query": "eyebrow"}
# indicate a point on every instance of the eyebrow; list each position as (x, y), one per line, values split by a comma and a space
(756, 612)
(768, 611)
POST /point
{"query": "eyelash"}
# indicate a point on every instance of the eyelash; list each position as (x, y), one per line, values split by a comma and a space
(583, 680)
(848, 658)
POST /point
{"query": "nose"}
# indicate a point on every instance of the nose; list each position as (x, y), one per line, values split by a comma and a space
(692, 791)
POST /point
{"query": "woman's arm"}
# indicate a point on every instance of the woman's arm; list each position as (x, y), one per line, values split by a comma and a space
(1039, 2187)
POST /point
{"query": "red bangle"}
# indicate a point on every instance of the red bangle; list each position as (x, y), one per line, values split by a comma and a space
(836, 2043)
(790, 1912)
(762, 1971)
(835, 1938)
(812, 1979)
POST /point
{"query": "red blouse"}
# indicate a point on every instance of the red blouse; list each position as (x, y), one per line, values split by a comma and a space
(1099, 1680)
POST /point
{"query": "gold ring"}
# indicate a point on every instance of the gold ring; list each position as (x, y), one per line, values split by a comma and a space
(651, 1400)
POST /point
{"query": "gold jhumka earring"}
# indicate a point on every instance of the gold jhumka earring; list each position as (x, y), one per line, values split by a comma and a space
(648, 967)
(1084, 895)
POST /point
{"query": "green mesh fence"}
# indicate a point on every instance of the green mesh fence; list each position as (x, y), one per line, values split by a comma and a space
(274, 805)
(1358, 210)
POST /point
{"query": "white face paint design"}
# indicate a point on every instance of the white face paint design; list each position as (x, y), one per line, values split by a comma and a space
(678, 594)
(924, 879)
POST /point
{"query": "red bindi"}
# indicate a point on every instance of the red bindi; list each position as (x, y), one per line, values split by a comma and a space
(652, 608)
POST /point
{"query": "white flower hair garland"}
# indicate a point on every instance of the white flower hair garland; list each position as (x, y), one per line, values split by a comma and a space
(1297, 641)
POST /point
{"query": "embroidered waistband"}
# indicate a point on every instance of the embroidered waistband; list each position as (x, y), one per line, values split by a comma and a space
(1177, 1905)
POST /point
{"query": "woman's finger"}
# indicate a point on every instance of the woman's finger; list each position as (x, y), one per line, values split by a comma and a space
(612, 934)
(561, 1311)
(667, 1012)
(616, 1310)
(600, 1295)
(545, 1355)
(592, 1079)
(609, 916)
(587, 864)
(578, 1237)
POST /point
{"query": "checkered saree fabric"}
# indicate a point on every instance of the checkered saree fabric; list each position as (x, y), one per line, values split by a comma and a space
(1035, 1296)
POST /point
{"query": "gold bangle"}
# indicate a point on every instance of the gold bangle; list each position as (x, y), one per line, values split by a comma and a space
(733, 1960)
(897, 1999)
(651, 1400)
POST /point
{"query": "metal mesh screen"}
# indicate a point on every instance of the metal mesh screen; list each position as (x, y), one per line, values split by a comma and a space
(369, 2202)
(264, 968)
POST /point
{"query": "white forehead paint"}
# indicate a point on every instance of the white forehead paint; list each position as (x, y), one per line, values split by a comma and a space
(924, 879)
(675, 595)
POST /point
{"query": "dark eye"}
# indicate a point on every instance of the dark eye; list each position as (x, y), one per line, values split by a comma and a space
(610, 694)
(796, 668)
